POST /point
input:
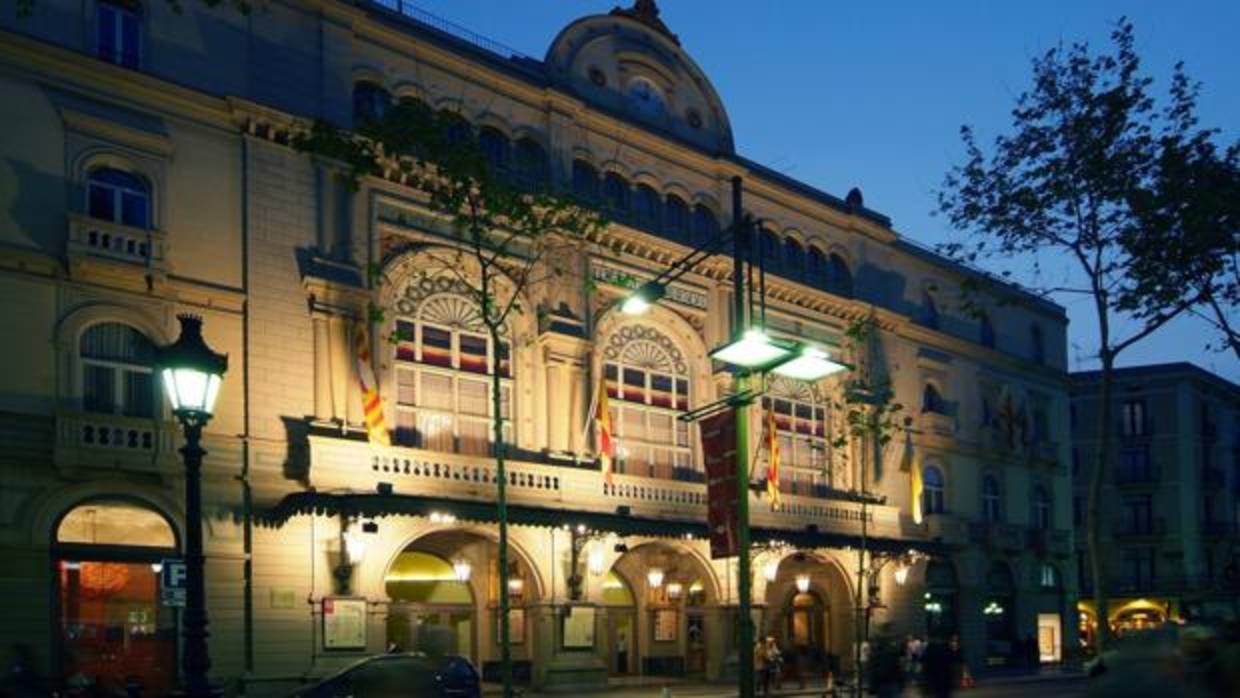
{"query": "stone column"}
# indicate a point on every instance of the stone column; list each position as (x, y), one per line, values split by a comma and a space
(323, 409)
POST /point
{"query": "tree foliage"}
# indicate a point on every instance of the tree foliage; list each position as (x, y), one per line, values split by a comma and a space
(1130, 201)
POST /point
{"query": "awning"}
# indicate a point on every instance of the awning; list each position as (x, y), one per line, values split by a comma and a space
(370, 505)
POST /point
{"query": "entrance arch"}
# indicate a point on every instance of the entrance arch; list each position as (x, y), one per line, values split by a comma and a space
(941, 599)
(809, 611)
(107, 555)
(999, 613)
(443, 597)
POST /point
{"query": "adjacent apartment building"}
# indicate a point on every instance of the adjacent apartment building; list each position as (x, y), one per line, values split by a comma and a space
(1170, 500)
(146, 171)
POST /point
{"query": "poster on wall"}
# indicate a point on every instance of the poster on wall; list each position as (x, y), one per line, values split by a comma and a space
(719, 451)
(666, 622)
(579, 627)
(344, 623)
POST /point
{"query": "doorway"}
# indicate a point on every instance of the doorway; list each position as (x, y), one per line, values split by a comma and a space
(1050, 638)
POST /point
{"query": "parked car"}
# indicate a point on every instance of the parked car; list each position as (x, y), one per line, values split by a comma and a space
(404, 675)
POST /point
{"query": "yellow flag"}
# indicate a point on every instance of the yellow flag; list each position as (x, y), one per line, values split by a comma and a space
(915, 479)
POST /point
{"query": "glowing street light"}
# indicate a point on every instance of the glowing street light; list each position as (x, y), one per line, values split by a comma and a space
(754, 350)
(641, 299)
(810, 364)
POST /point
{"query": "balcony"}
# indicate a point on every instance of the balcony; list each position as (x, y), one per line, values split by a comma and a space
(947, 528)
(1148, 475)
(98, 247)
(340, 464)
(938, 423)
(1056, 542)
(997, 536)
(106, 440)
(1140, 529)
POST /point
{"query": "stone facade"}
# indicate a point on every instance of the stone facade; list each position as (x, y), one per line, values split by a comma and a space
(193, 118)
(1171, 497)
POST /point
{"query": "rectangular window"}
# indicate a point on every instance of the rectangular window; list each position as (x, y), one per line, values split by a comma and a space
(473, 353)
(406, 386)
(406, 341)
(437, 392)
(634, 385)
(474, 398)
(1133, 418)
(118, 35)
(661, 388)
(98, 389)
(101, 202)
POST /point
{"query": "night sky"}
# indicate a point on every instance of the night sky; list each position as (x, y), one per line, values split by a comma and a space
(843, 94)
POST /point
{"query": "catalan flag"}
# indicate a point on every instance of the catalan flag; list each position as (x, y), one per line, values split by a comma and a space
(372, 405)
(772, 458)
(602, 420)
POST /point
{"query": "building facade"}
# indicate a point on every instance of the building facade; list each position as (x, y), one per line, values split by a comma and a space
(147, 172)
(1171, 499)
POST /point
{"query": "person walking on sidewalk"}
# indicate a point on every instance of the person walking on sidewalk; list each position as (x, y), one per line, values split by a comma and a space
(938, 670)
(761, 668)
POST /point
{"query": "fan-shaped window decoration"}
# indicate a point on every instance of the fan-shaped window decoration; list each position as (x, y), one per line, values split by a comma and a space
(616, 196)
(1041, 514)
(676, 218)
(585, 182)
(117, 375)
(841, 277)
(494, 146)
(816, 268)
(933, 492)
(118, 196)
(646, 208)
(370, 102)
(443, 357)
(992, 510)
(794, 259)
(533, 166)
(648, 382)
(801, 431)
(115, 522)
(987, 331)
(705, 225)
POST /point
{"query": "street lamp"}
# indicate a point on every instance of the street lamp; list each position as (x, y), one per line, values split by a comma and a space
(191, 375)
(646, 295)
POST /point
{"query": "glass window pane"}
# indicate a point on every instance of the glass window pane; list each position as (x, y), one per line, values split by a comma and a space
(406, 386)
(406, 428)
(661, 390)
(661, 428)
(473, 397)
(634, 422)
(129, 40)
(139, 395)
(101, 202)
(435, 431)
(436, 346)
(406, 341)
(505, 402)
(475, 437)
(113, 341)
(473, 353)
(504, 360)
(436, 391)
(115, 523)
(98, 388)
(682, 434)
(634, 385)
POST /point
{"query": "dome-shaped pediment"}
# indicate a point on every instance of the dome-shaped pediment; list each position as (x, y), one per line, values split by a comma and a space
(629, 62)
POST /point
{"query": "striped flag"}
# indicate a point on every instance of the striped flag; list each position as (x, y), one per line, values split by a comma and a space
(372, 405)
(772, 459)
(602, 420)
(914, 475)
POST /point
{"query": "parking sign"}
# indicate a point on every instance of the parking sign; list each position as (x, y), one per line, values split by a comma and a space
(172, 583)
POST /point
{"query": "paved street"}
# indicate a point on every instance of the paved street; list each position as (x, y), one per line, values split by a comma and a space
(1067, 687)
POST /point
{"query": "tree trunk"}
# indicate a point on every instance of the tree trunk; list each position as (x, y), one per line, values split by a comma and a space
(1093, 521)
(501, 506)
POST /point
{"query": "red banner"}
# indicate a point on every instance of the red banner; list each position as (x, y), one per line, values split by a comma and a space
(719, 451)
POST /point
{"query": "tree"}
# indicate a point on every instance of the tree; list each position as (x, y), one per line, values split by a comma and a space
(1086, 176)
(506, 240)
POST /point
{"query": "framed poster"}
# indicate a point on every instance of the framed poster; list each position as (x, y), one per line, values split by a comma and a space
(666, 623)
(344, 623)
(579, 627)
(516, 626)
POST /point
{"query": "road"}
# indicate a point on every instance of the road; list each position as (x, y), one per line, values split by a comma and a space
(1056, 687)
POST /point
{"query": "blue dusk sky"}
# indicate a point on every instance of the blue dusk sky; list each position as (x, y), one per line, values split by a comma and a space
(843, 94)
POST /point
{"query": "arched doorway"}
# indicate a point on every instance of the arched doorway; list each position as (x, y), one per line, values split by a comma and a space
(443, 592)
(112, 629)
(672, 589)
(940, 600)
(808, 612)
(620, 623)
(999, 614)
(1137, 616)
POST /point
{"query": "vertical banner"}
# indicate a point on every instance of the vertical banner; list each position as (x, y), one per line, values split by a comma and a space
(719, 451)
(372, 405)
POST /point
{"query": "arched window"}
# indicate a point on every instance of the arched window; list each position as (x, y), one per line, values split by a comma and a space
(1037, 344)
(443, 357)
(118, 32)
(370, 102)
(117, 376)
(932, 492)
(456, 128)
(676, 217)
(118, 196)
(929, 310)
(533, 166)
(932, 401)
(841, 277)
(1048, 577)
(705, 224)
(107, 556)
(987, 332)
(494, 146)
(801, 431)
(794, 259)
(770, 249)
(648, 387)
(585, 182)
(646, 208)
(1041, 515)
(616, 196)
(816, 268)
(992, 510)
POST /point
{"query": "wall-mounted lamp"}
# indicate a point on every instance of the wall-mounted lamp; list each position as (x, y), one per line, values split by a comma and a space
(516, 587)
(655, 577)
(595, 559)
(901, 574)
(462, 569)
(802, 583)
(354, 548)
(770, 569)
(674, 590)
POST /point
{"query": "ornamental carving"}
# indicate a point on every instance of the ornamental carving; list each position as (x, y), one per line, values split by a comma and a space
(442, 300)
(645, 347)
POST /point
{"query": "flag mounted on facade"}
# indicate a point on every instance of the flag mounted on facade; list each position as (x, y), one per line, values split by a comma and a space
(772, 459)
(909, 465)
(372, 405)
(718, 434)
(602, 420)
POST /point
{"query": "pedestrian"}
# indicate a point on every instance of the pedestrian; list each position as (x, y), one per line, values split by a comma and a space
(761, 671)
(886, 675)
(937, 669)
(775, 661)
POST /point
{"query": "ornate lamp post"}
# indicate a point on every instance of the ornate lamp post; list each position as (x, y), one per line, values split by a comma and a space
(191, 374)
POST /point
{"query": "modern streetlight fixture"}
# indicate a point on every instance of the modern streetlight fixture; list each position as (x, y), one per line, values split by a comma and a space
(191, 374)
(753, 350)
(809, 364)
(640, 301)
